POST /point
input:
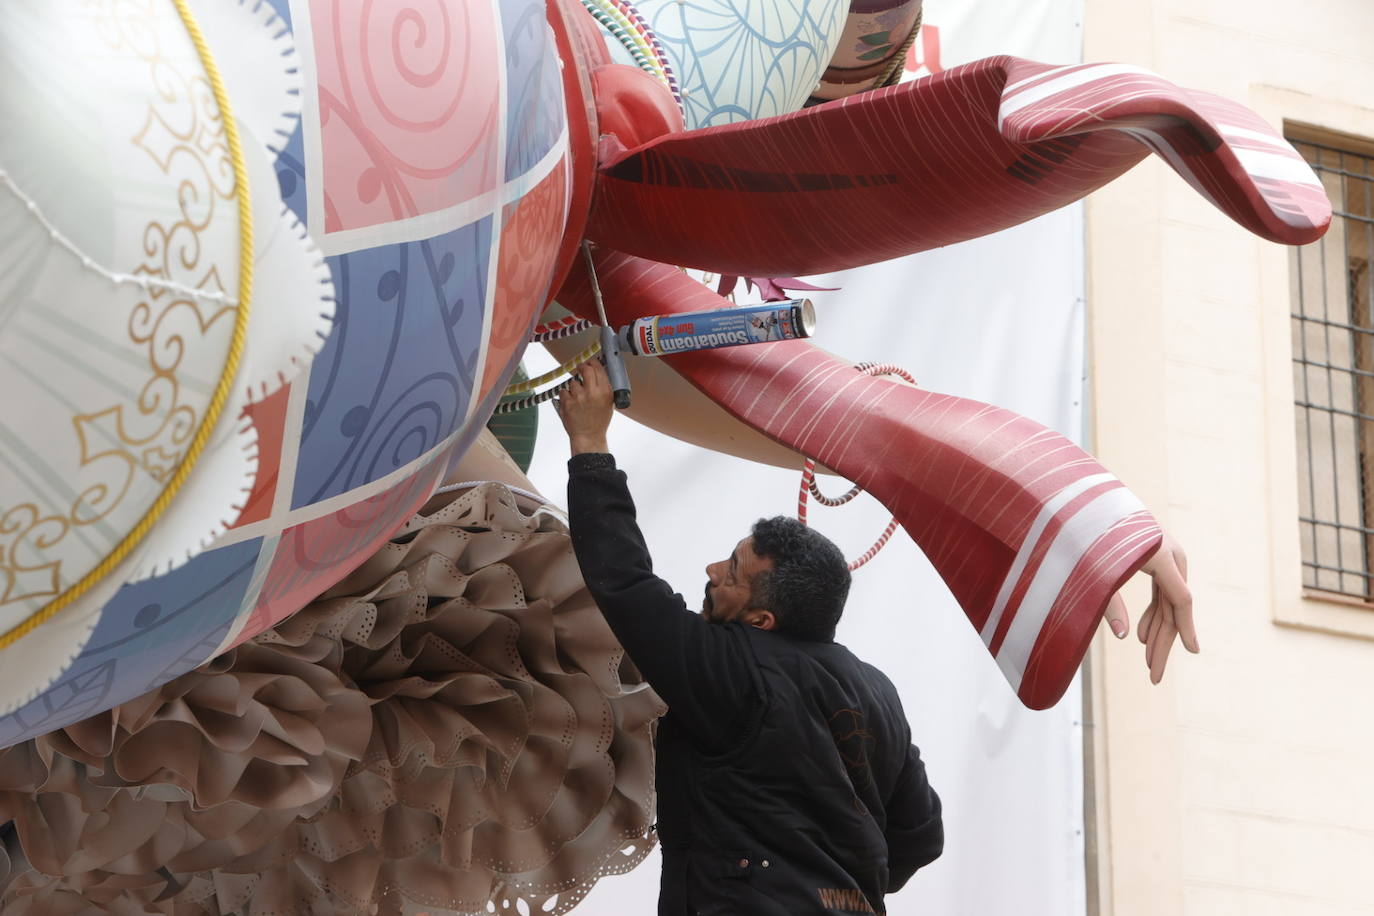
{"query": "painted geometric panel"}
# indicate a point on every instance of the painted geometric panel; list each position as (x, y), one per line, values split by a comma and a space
(394, 378)
(269, 419)
(291, 182)
(530, 237)
(409, 107)
(314, 555)
(150, 632)
(534, 106)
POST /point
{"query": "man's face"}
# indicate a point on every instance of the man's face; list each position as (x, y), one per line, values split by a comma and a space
(730, 583)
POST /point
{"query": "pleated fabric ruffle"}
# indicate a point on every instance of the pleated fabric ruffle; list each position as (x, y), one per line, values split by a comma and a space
(453, 724)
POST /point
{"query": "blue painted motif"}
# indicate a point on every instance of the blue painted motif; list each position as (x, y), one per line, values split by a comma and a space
(150, 632)
(534, 108)
(283, 9)
(396, 374)
(290, 168)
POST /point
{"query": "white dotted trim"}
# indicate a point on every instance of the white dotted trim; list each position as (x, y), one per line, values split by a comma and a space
(146, 283)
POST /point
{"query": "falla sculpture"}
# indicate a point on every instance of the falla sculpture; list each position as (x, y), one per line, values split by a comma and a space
(268, 268)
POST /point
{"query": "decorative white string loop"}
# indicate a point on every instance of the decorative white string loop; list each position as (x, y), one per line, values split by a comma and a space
(808, 477)
(144, 282)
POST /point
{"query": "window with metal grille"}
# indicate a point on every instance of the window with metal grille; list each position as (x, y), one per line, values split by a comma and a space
(1333, 371)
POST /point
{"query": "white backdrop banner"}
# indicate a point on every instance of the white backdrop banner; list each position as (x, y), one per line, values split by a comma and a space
(998, 319)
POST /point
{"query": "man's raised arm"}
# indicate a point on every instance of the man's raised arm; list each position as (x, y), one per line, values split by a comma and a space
(699, 669)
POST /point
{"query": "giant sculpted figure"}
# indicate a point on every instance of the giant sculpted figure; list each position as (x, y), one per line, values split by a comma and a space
(266, 268)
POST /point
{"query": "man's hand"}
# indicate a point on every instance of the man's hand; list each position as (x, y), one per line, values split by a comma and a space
(586, 407)
(1169, 613)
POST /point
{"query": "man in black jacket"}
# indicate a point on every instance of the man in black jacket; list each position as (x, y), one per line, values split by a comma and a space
(787, 780)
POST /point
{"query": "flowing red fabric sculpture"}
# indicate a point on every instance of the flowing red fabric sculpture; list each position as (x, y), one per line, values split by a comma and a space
(1031, 534)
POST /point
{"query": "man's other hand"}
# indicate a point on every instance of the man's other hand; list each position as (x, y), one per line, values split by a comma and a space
(1169, 613)
(586, 407)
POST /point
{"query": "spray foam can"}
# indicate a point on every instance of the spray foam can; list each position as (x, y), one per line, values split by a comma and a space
(664, 335)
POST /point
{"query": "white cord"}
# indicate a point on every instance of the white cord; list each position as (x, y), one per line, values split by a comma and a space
(120, 279)
(596, 287)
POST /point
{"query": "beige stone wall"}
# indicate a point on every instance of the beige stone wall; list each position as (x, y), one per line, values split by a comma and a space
(1245, 783)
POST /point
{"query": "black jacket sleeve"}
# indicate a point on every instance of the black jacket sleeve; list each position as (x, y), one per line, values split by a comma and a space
(700, 669)
(915, 830)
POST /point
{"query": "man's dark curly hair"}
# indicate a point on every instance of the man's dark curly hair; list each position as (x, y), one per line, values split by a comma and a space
(808, 583)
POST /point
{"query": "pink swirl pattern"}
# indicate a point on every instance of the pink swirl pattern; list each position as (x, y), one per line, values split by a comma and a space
(409, 107)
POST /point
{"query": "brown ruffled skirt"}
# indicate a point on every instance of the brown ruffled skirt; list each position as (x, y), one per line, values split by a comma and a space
(453, 724)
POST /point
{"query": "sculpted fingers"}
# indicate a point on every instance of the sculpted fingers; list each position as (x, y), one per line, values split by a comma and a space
(1161, 641)
(1142, 631)
(1170, 614)
(1182, 598)
(1117, 617)
(1169, 578)
(1152, 636)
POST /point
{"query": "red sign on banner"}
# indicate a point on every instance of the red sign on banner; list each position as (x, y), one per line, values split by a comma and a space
(924, 53)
